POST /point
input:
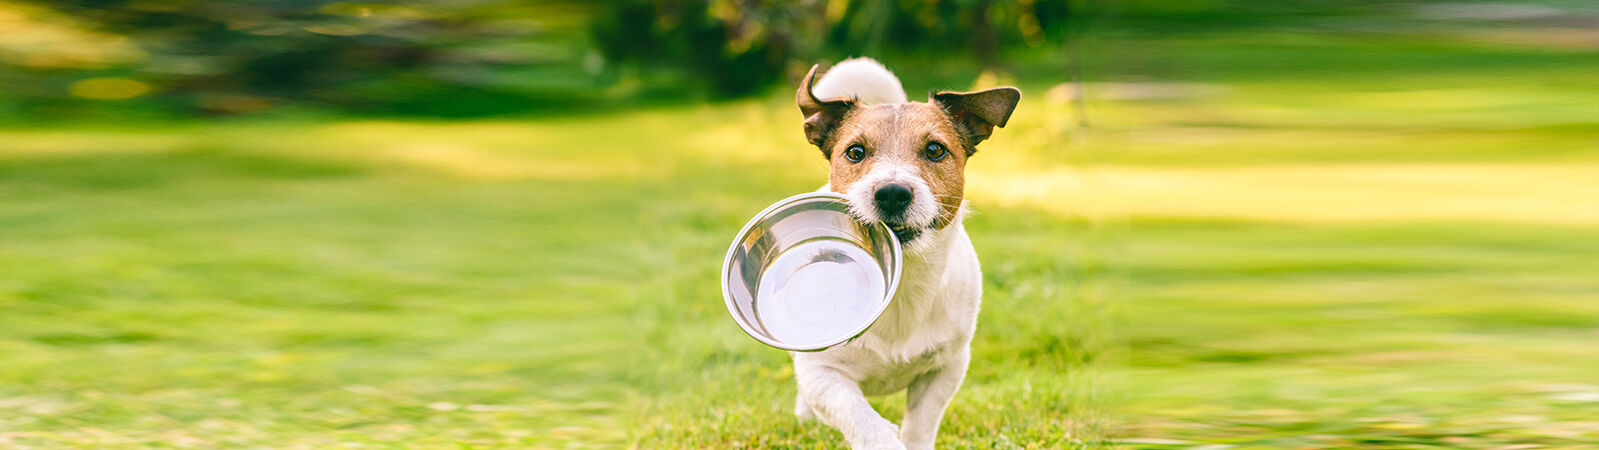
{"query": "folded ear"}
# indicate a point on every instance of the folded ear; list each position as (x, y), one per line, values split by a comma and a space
(821, 116)
(977, 113)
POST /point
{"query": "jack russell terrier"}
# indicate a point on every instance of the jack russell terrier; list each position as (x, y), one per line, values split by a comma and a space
(901, 163)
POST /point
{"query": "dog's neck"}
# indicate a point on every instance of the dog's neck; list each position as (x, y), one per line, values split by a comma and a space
(926, 261)
(926, 264)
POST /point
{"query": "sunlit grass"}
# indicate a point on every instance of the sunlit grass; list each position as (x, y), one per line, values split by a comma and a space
(1535, 193)
(199, 280)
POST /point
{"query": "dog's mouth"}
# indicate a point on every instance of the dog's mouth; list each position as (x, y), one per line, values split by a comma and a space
(904, 232)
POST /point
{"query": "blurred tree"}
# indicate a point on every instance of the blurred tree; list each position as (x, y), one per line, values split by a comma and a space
(440, 57)
(473, 57)
(734, 47)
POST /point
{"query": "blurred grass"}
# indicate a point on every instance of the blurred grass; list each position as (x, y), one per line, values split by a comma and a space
(205, 294)
(1243, 255)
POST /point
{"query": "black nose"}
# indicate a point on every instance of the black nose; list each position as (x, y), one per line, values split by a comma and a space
(892, 199)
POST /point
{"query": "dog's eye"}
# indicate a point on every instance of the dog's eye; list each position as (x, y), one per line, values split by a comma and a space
(935, 152)
(855, 153)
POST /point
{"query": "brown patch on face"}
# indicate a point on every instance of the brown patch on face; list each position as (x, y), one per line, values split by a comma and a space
(900, 134)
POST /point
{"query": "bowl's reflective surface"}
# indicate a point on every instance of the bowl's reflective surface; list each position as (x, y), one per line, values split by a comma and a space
(803, 275)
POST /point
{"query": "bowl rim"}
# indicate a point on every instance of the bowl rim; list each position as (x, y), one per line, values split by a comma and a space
(727, 266)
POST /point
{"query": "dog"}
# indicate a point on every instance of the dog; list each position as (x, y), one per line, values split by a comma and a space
(903, 164)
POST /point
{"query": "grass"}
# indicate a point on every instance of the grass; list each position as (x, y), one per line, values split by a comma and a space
(1402, 259)
(213, 297)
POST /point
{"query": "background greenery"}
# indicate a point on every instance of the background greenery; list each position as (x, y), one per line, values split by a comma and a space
(465, 58)
(1321, 225)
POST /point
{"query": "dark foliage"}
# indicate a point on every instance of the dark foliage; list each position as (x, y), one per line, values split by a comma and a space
(437, 57)
(732, 48)
(480, 57)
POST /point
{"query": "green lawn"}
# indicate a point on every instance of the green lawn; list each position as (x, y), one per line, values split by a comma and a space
(1402, 257)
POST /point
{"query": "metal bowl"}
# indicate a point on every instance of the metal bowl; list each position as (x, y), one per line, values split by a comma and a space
(804, 275)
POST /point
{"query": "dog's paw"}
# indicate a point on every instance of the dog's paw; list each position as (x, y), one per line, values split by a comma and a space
(888, 445)
(883, 435)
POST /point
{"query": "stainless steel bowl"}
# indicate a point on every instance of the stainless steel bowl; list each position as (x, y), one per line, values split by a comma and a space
(803, 275)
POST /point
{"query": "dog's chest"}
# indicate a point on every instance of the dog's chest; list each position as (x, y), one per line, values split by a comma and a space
(928, 324)
(888, 376)
(907, 343)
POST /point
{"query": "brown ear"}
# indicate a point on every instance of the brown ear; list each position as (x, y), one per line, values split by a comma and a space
(821, 116)
(977, 113)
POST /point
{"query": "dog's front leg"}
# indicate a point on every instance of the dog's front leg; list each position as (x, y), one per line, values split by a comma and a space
(926, 399)
(838, 401)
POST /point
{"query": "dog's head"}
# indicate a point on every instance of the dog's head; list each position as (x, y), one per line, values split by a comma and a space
(903, 164)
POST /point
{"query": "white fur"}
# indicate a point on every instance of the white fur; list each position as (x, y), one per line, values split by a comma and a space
(921, 343)
(863, 79)
(923, 209)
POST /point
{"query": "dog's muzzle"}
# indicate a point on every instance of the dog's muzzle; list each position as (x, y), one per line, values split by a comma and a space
(892, 200)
